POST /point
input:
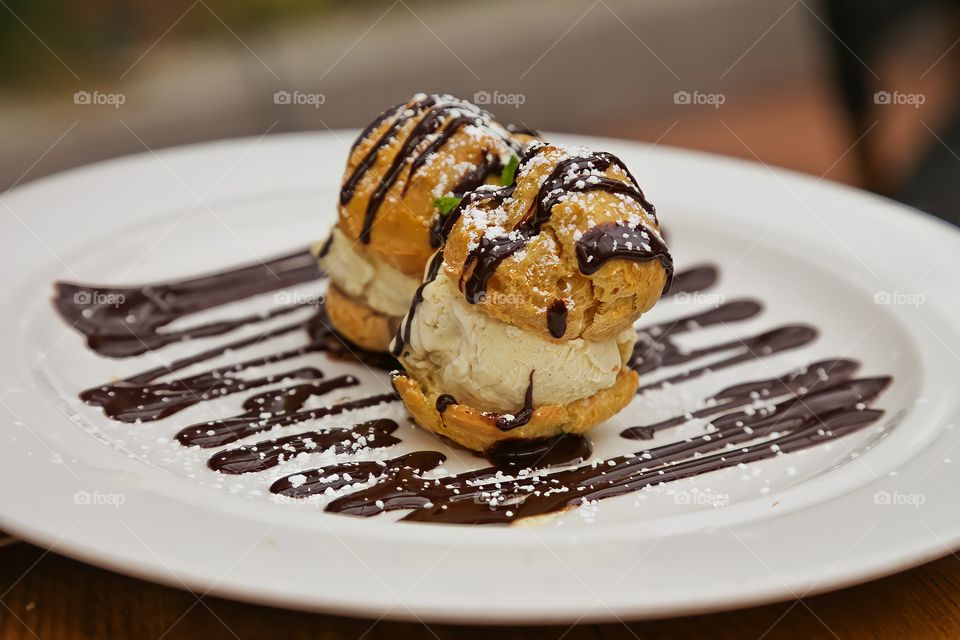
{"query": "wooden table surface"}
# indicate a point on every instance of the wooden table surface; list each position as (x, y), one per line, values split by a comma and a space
(47, 596)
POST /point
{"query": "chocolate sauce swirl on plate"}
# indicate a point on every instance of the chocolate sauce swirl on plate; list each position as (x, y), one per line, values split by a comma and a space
(694, 279)
(656, 348)
(744, 423)
(270, 453)
(127, 321)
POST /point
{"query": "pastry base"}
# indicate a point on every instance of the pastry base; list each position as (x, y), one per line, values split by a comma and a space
(471, 428)
(358, 322)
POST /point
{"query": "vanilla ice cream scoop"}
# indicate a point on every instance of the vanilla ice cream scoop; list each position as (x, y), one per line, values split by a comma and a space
(488, 363)
(365, 276)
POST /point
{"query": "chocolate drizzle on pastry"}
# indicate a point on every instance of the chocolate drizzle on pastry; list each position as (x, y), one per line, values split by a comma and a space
(404, 329)
(463, 189)
(437, 119)
(376, 122)
(445, 400)
(606, 242)
(509, 422)
(557, 318)
(400, 114)
(571, 175)
(797, 410)
(443, 225)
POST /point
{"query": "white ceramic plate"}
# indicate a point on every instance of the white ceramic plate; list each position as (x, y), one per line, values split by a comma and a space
(124, 497)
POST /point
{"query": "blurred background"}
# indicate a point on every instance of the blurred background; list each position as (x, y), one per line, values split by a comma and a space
(861, 92)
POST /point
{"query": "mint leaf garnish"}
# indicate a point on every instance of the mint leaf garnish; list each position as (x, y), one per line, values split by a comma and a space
(509, 171)
(446, 204)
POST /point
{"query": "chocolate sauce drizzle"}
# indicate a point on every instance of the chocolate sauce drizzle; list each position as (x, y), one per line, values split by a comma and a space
(509, 422)
(444, 402)
(746, 422)
(656, 349)
(740, 438)
(606, 242)
(140, 398)
(403, 330)
(270, 453)
(127, 321)
(796, 383)
(467, 185)
(516, 455)
(272, 408)
(598, 246)
(694, 279)
(226, 430)
(347, 474)
(376, 122)
(443, 225)
(440, 117)
(557, 318)
(405, 474)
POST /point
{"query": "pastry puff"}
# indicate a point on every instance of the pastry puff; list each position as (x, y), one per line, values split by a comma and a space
(428, 148)
(548, 276)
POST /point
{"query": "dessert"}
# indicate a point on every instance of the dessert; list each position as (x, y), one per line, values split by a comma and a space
(523, 328)
(412, 159)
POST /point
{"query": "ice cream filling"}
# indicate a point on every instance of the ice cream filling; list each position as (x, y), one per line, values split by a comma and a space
(454, 348)
(365, 276)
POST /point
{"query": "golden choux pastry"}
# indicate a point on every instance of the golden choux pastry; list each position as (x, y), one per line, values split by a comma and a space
(481, 430)
(402, 170)
(523, 326)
